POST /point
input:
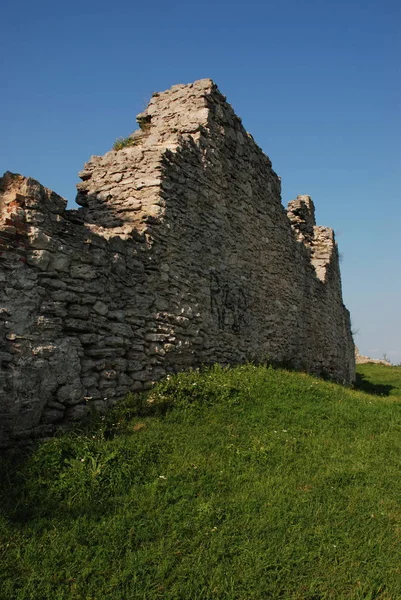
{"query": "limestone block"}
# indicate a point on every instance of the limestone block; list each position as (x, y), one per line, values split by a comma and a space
(79, 325)
(58, 309)
(83, 272)
(71, 393)
(89, 338)
(90, 381)
(78, 311)
(77, 413)
(39, 239)
(39, 259)
(52, 415)
(60, 262)
(35, 217)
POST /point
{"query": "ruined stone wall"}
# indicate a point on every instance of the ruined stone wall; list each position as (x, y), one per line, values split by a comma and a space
(360, 359)
(180, 255)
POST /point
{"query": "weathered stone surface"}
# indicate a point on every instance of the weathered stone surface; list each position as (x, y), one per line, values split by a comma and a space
(363, 360)
(181, 255)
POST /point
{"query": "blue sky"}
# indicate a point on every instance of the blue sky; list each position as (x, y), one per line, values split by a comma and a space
(316, 83)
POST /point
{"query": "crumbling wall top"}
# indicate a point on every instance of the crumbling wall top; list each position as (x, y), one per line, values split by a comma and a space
(301, 213)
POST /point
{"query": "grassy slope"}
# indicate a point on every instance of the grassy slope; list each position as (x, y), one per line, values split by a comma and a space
(379, 379)
(256, 484)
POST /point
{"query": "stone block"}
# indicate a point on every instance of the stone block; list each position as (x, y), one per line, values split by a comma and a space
(70, 394)
(39, 259)
(77, 413)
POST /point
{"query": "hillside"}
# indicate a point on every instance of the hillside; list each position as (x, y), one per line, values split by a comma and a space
(237, 484)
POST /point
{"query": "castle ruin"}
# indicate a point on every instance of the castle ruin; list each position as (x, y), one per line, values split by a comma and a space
(181, 255)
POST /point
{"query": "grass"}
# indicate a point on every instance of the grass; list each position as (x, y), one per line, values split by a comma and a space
(122, 142)
(379, 379)
(129, 141)
(232, 484)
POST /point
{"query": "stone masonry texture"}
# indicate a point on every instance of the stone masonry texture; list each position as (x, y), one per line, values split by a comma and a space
(180, 255)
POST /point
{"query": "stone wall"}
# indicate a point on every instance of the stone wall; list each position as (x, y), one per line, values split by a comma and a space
(180, 255)
(360, 359)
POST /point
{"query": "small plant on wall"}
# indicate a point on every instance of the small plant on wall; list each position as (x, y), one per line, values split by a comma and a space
(121, 143)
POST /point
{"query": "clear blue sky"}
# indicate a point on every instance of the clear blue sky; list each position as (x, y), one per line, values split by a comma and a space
(317, 84)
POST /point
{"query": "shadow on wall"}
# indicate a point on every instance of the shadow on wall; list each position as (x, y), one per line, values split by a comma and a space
(102, 213)
(377, 389)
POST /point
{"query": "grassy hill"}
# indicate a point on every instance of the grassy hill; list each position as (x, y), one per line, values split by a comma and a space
(232, 484)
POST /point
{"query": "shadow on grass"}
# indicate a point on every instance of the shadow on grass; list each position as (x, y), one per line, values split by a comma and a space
(24, 500)
(377, 389)
(33, 478)
(12, 491)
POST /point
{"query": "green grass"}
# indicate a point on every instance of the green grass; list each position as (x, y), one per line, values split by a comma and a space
(246, 484)
(379, 379)
(121, 143)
